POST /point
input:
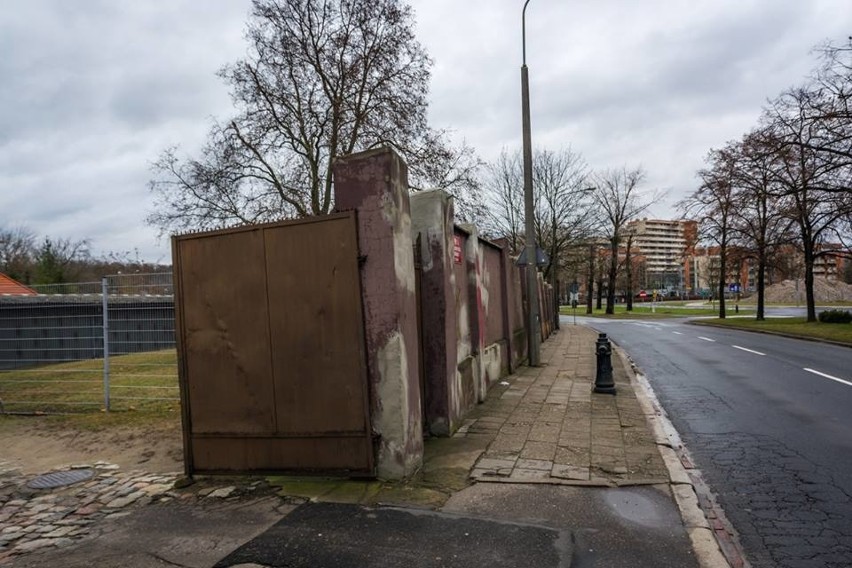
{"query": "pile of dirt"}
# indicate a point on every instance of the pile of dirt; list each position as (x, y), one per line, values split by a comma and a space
(793, 292)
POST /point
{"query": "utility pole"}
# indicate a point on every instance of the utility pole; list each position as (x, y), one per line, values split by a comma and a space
(533, 326)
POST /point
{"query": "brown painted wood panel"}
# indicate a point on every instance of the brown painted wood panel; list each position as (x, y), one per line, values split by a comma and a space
(315, 324)
(271, 345)
(280, 454)
(223, 296)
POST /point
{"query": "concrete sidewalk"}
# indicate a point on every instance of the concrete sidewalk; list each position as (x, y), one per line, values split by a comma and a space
(549, 427)
(582, 472)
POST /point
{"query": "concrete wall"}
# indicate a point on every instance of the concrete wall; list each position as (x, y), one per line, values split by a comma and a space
(473, 324)
(517, 323)
(375, 184)
(432, 220)
(466, 379)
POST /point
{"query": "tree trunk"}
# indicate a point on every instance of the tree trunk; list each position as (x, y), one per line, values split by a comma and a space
(809, 282)
(613, 272)
(591, 283)
(723, 274)
(761, 284)
(600, 290)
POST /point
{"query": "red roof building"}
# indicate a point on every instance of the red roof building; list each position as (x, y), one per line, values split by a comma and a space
(9, 287)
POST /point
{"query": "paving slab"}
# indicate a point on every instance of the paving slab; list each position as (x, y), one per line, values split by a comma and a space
(557, 419)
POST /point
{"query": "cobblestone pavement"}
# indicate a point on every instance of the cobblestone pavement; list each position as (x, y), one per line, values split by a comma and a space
(33, 519)
(547, 426)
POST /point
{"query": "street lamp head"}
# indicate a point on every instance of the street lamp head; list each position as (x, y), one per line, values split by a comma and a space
(524, 34)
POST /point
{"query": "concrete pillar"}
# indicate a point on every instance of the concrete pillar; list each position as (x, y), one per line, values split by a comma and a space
(432, 218)
(476, 308)
(375, 184)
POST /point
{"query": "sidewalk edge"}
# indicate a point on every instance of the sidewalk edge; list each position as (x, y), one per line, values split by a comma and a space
(713, 539)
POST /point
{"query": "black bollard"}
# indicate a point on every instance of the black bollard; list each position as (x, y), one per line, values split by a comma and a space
(603, 378)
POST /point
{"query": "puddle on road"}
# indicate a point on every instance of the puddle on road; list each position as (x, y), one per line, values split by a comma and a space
(648, 508)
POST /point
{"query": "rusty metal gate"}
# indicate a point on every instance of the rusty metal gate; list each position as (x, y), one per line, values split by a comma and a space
(271, 345)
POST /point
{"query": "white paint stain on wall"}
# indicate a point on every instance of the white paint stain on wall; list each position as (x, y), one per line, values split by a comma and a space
(484, 277)
(403, 259)
(490, 367)
(393, 421)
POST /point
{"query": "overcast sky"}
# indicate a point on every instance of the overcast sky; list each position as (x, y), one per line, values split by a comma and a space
(91, 91)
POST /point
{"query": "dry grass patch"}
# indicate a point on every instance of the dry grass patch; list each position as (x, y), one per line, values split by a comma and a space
(796, 327)
(141, 382)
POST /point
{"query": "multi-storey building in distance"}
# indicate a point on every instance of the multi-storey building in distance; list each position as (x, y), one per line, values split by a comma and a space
(667, 247)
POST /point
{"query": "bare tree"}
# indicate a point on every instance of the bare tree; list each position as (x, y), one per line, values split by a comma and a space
(809, 178)
(504, 186)
(17, 251)
(620, 200)
(563, 209)
(713, 205)
(827, 110)
(759, 207)
(322, 79)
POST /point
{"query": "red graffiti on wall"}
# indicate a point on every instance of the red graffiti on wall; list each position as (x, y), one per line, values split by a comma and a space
(457, 249)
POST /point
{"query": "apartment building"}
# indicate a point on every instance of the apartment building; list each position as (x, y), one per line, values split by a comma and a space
(667, 247)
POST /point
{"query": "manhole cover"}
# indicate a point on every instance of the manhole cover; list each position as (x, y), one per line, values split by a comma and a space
(60, 478)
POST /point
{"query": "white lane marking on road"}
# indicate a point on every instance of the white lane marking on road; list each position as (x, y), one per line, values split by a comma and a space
(749, 350)
(828, 377)
(707, 339)
(677, 333)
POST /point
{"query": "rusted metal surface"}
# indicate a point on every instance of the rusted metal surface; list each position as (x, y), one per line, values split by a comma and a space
(271, 345)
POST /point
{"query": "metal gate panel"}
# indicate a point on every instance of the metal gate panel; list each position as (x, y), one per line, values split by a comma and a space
(315, 323)
(231, 390)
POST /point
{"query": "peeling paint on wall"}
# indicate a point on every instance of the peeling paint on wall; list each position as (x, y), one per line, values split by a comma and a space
(491, 366)
(375, 183)
(484, 277)
(392, 420)
(403, 259)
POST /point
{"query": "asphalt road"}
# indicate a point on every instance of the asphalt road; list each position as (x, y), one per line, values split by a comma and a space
(768, 420)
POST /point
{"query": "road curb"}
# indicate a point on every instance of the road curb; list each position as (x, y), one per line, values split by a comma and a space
(767, 332)
(714, 540)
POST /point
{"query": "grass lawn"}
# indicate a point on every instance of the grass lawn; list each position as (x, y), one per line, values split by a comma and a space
(143, 382)
(798, 327)
(643, 310)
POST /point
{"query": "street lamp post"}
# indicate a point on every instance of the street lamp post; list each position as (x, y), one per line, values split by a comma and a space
(533, 327)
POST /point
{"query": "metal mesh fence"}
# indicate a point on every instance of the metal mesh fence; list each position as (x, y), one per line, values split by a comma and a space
(54, 357)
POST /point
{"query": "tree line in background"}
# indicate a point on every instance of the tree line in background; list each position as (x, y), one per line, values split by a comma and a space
(35, 261)
(787, 182)
(581, 218)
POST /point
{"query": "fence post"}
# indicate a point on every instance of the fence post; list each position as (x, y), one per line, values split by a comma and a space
(105, 309)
